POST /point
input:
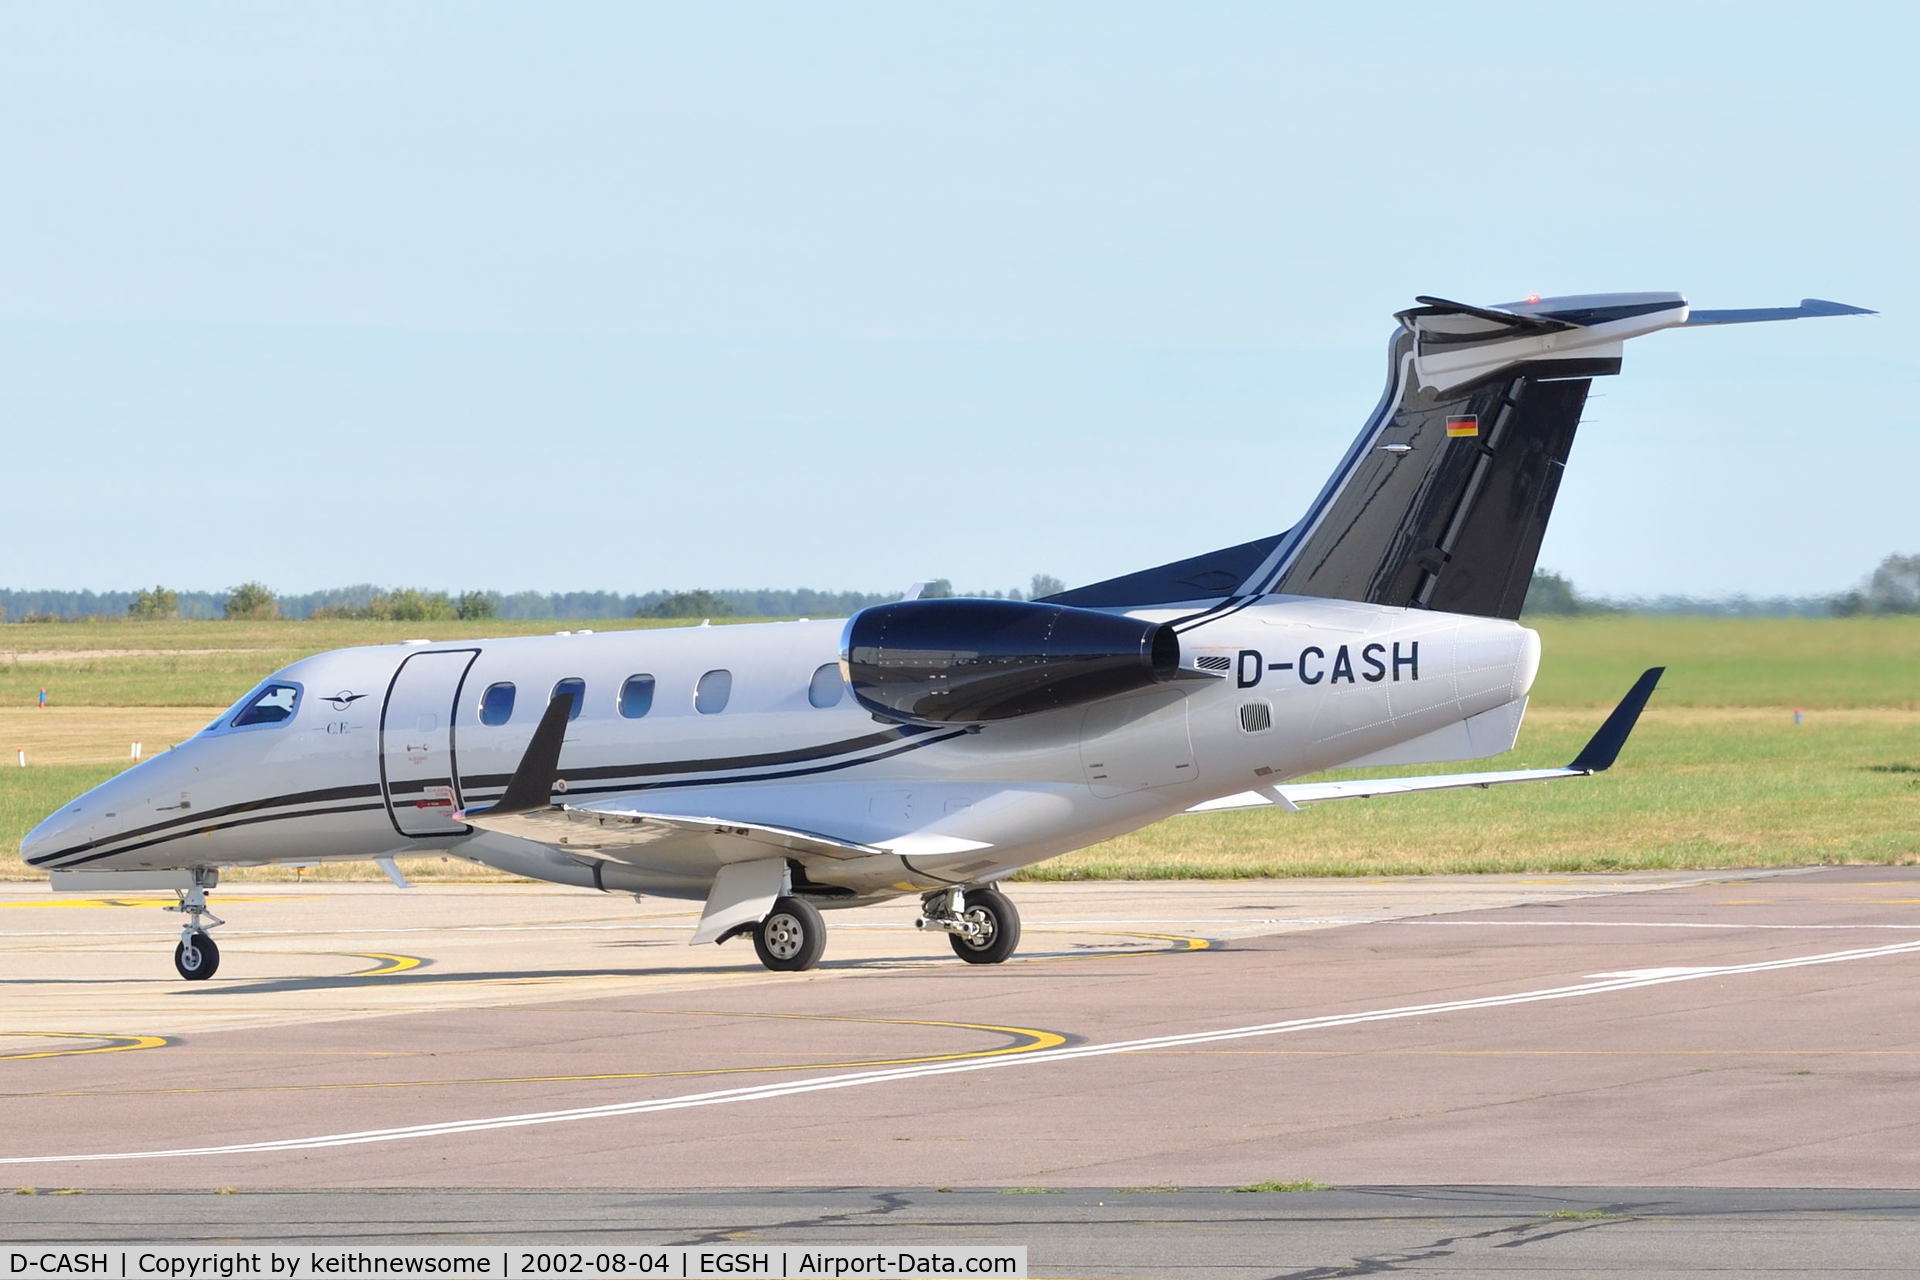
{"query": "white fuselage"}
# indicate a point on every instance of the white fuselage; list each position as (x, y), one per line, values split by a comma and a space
(389, 742)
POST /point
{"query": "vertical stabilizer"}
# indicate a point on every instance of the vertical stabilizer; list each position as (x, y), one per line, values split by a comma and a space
(1445, 500)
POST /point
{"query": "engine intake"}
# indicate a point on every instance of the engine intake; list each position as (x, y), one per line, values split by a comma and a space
(973, 661)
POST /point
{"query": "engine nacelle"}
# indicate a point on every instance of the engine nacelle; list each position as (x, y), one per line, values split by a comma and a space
(973, 661)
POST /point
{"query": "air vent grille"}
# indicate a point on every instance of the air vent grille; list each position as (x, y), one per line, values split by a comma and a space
(1214, 662)
(1256, 716)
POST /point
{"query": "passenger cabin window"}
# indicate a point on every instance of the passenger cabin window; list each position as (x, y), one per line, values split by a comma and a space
(496, 704)
(272, 705)
(711, 694)
(826, 686)
(572, 687)
(636, 697)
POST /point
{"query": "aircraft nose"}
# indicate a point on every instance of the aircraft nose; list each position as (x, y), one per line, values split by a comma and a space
(57, 832)
(85, 818)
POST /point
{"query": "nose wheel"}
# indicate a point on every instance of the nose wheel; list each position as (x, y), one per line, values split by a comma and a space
(196, 957)
(982, 924)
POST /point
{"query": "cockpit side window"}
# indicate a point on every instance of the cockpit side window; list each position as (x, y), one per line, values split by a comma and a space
(274, 704)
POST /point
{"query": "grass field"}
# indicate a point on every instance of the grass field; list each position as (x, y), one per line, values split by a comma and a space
(1718, 775)
(203, 664)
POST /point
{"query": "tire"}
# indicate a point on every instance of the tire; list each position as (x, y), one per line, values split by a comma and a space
(791, 938)
(995, 911)
(196, 960)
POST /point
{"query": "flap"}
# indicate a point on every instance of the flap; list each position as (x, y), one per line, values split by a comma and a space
(609, 829)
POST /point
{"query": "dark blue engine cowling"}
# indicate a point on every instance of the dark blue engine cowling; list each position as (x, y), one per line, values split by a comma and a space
(972, 661)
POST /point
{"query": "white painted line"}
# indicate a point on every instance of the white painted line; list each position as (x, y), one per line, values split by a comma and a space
(1633, 924)
(1655, 973)
(889, 1075)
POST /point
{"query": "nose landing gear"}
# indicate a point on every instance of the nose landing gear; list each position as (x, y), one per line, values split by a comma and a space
(982, 924)
(197, 957)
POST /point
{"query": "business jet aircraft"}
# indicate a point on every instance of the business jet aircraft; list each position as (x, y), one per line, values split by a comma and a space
(933, 747)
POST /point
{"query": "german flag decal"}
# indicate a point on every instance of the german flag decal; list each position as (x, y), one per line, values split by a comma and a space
(1463, 424)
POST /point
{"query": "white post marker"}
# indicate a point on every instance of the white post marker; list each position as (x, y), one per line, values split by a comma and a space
(22, 753)
(136, 751)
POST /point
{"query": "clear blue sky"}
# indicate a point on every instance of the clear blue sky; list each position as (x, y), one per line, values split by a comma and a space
(629, 296)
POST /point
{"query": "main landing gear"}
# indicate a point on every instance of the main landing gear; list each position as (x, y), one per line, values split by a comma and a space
(982, 924)
(197, 957)
(792, 936)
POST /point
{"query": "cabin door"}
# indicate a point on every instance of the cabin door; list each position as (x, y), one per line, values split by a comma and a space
(419, 762)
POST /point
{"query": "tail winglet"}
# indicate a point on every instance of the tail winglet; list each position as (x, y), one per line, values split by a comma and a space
(1604, 747)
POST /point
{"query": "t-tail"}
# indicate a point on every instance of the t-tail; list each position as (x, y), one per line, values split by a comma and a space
(1443, 499)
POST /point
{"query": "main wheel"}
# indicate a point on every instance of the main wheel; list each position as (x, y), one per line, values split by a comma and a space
(792, 936)
(196, 957)
(999, 922)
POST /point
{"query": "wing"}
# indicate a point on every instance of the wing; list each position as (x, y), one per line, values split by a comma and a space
(1596, 757)
(611, 829)
(751, 862)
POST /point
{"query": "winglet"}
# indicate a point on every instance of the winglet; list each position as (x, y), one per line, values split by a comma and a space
(531, 786)
(1604, 747)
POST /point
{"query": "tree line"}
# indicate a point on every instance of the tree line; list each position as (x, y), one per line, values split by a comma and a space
(257, 601)
(1892, 588)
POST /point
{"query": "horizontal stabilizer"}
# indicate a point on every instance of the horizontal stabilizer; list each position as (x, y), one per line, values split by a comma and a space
(1598, 755)
(1508, 319)
(1808, 307)
(1363, 788)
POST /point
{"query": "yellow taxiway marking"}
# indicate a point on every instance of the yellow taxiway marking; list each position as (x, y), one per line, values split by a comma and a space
(389, 963)
(401, 964)
(115, 1044)
(1025, 1040)
(385, 962)
(1184, 944)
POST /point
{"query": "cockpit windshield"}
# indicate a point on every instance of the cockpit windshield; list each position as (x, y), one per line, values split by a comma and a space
(272, 703)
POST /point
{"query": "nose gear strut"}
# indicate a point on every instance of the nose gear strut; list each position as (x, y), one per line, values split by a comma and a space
(982, 923)
(197, 957)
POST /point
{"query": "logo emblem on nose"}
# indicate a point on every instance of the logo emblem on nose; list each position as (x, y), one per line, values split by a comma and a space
(343, 699)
